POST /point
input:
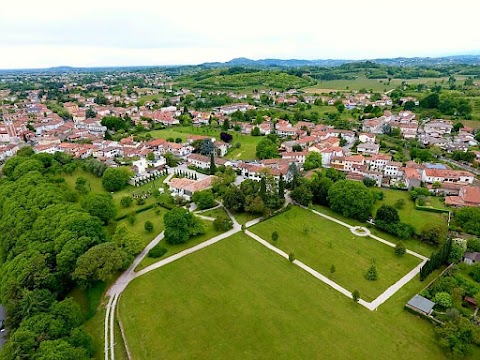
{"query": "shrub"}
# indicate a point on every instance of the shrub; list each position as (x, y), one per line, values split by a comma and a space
(291, 257)
(126, 201)
(140, 201)
(356, 295)
(275, 235)
(400, 248)
(399, 204)
(443, 299)
(372, 273)
(148, 226)
(157, 251)
(222, 223)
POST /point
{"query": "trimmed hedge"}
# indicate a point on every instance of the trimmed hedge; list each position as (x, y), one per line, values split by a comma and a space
(430, 209)
(145, 208)
(157, 251)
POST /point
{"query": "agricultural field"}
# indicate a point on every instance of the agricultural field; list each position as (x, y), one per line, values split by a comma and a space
(409, 214)
(376, 85)
(321, 243)
(239, 300)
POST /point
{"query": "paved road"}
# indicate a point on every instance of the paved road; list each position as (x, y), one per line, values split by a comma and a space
(3, 335)
(462, 166)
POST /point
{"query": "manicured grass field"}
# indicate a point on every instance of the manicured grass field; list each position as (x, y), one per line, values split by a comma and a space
(214, 213)
(238, 300)
(408, 213)
(139, 226)
(411, 244)
(97, 188)
(321, 243)
(176, 248)
(247, 143)
(244, 217)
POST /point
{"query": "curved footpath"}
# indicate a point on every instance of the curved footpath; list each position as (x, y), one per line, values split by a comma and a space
(119, 286)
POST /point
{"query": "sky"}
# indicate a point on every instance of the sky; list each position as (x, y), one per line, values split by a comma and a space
(38, 34)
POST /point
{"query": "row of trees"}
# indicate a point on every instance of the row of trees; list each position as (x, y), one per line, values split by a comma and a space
(256, 197)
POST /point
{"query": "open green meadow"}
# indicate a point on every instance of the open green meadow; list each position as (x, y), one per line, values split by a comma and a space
(376, 85)
(246, 151)
(410, 215)
(176, 248)
(237, 299)
(411, 244)
(321, 243)
(97, 188)
(214, 213)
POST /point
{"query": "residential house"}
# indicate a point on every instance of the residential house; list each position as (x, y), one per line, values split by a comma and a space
(297, 157)
(467, 196)
(367, 138)
(186, 187)
(412, 178)
(439, 126)
(368, 148)
(431, 176)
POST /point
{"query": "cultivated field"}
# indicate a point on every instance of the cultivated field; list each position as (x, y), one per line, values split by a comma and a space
(238, 300)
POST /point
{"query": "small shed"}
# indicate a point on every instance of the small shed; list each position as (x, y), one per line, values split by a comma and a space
(470, 300)
(471, 258)
(421, 304)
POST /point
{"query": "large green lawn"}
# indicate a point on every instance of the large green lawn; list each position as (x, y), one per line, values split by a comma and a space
(97, 188)
(176, 248)
(409, 214)
(321, 243)
(238, 300)
(412, 244)
(246, 151)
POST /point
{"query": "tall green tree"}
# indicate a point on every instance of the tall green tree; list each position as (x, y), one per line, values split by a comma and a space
(351, 199)
(101, 206)
(213, 168)
(115, 179)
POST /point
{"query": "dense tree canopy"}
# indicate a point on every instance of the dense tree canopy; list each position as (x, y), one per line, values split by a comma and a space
(101, 206)
(43, 234)
(266, 149)
(351, 199)
(115, 179)
(180, 224)
(204, 199)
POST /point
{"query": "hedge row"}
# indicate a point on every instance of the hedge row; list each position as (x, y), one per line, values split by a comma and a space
(151, 206)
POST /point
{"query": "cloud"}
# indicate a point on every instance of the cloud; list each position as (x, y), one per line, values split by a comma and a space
(107, 32)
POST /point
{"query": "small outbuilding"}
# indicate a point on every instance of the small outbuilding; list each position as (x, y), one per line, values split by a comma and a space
(421, 304)
(471, 258)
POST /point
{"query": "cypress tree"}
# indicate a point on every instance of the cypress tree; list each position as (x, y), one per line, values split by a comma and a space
(263, 187)
(281, 187)
(213, 168)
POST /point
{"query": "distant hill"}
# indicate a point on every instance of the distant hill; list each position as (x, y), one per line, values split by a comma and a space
(400, 61)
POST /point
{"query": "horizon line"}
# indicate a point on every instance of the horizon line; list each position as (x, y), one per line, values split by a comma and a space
(240, 57)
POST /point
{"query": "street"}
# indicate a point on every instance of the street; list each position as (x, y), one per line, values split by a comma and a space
(3, 335)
